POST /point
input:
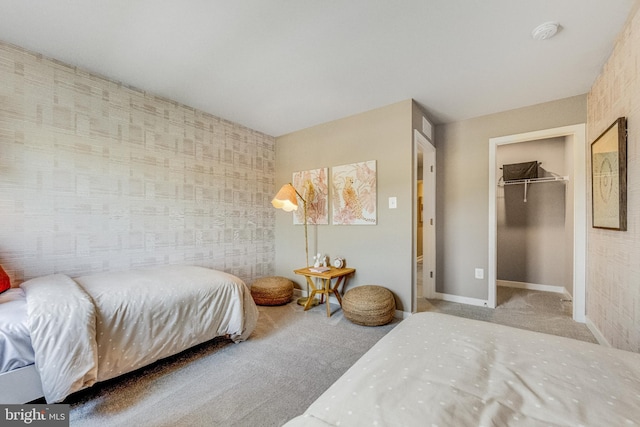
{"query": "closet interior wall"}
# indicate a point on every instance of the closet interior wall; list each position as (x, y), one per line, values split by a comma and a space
(535, 237)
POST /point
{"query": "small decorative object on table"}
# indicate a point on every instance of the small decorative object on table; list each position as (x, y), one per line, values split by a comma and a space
(339, 263)
(316, 260)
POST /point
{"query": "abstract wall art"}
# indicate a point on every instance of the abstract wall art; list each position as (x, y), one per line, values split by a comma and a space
(313, 185)
(354, 194)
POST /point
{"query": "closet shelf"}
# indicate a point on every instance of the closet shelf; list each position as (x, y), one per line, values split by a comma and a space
(533, 180)
(526, 182)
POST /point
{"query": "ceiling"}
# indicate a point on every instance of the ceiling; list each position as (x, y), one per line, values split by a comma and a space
(278, 66)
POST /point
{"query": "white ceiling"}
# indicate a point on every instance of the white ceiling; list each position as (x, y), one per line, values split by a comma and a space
(278, 66)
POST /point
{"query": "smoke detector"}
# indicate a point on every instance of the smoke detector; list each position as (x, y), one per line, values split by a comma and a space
(545, 31)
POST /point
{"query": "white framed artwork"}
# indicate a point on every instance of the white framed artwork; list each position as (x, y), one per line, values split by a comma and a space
(354, 196)
(313, 185)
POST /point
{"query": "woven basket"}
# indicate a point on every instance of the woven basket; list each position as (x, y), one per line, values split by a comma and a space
(273, 290)
(369, 305)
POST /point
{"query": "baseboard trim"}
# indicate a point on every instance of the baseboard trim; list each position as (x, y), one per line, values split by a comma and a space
(533, 286)
(462, 300)
(402, 314)
(596, 333)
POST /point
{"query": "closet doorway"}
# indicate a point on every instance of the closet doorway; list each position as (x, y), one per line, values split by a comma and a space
(573, 193)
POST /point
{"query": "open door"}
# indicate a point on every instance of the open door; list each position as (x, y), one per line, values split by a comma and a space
(424, 260)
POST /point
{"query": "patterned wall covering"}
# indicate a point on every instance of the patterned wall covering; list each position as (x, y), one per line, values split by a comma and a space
(97, 176)
(613, 275)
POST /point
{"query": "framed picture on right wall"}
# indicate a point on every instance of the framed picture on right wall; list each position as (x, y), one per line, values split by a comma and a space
(609, 177)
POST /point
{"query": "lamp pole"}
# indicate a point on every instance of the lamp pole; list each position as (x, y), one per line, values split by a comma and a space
(306, 239)
(286, 200)
(303, 301)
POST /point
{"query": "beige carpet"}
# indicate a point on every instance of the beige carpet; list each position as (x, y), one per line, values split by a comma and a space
(291, 358)
(546, 312)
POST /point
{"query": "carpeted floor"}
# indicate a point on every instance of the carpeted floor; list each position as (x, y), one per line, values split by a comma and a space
(546, 312)
(291, 358)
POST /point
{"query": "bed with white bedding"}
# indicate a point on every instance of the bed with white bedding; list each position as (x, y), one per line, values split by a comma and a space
(15, 341)
(75, 332)
(439, 370)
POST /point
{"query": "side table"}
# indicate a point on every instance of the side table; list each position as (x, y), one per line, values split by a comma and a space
(340, 274)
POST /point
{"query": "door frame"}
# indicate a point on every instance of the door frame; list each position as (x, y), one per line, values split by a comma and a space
(422, 143)
(576, 135)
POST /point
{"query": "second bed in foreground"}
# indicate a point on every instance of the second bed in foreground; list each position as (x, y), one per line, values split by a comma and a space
(439, 370)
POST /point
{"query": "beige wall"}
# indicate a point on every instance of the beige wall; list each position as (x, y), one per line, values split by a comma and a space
(381, 253)
(613, 274)
(463, 179)
(97, 176)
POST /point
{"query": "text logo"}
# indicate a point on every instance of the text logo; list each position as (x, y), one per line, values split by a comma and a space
(56, 415)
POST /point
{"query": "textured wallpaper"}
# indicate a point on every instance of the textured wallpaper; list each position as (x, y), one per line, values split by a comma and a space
(98, 176)
(613, 274)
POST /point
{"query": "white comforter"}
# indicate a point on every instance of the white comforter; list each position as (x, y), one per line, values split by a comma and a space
(15, 344)
(438, 370)
(100, 326)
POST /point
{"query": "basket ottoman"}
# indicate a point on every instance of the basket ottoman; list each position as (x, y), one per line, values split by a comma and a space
(369, 305)
(273, 290)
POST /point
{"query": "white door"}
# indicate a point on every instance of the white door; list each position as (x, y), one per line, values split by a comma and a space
(425, 217)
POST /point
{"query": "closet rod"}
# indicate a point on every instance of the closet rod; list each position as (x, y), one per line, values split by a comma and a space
(526, 182)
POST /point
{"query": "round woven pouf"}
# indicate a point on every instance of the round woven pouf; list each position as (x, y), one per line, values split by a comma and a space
(273, 290)
(369, 305)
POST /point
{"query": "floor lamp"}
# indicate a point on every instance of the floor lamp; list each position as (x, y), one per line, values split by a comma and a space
(287, 200)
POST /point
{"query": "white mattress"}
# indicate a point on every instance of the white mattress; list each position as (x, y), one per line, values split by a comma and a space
(15, 341)
(439, 370)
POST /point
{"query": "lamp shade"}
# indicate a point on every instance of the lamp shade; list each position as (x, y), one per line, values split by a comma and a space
(286, 199)
(5, 283)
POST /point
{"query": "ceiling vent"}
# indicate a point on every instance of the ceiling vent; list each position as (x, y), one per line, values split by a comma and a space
(545, 31)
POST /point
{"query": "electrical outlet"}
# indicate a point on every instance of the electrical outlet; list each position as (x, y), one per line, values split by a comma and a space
(479, 273)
